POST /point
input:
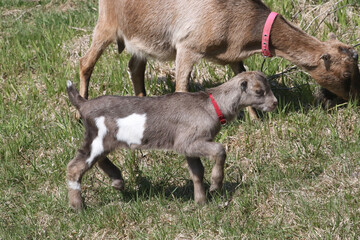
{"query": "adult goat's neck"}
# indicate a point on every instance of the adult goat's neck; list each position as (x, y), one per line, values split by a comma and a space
(295, 45)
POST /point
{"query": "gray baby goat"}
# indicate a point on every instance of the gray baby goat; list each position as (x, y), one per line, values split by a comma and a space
(184, 122)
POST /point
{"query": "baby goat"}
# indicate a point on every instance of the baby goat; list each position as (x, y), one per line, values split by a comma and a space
(184, 122)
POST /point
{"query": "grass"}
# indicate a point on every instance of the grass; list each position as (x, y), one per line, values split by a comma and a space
(295, 174)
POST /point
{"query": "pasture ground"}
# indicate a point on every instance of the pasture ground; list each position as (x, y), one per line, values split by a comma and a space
(294, 174)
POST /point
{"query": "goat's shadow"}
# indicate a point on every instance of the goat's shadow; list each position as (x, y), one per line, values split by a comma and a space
(146, 190)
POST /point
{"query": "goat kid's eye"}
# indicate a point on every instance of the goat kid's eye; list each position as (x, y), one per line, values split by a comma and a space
(347, 74)
(260, 92)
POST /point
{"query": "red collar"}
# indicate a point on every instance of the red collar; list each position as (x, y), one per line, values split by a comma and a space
(217, 109)
(266, 34)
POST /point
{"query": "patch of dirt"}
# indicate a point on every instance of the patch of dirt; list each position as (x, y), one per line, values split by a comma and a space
(77, 48)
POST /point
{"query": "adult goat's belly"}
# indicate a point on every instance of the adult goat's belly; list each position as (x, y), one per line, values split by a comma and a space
(160, 50)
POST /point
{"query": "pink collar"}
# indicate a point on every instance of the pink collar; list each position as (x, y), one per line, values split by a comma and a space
(217, 109)
(266, 34)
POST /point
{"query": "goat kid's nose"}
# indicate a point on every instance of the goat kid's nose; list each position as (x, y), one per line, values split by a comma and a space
(275, 103)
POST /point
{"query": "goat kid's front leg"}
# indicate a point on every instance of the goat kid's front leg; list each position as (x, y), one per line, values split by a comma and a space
(238, 67)
(217, 173)
(185, 60)
(196, 170)
(137, 66)
(213, 151)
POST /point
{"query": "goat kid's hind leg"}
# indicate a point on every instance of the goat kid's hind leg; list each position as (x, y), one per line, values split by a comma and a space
(238, 67)
(76, 168)
(137, 66)
(103, 35)
(196, 170)
(113, 172)
(75, 171)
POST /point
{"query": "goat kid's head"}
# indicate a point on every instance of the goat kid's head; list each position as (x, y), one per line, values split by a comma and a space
(256, 91)
(338, 69)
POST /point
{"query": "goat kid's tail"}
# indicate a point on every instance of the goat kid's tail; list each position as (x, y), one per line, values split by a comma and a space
(74, 96)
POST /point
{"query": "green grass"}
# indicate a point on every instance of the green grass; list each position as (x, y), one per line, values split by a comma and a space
(295, 174)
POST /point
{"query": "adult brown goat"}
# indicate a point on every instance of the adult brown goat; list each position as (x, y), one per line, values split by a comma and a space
(222, 31)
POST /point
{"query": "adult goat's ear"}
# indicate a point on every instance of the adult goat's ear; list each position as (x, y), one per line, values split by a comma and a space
(244, 86)
(326, 57)
(355, 55)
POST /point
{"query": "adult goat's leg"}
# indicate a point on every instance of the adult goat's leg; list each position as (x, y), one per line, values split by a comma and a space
(237, 67)
(185, 60)
(102, 37)
(137, 67)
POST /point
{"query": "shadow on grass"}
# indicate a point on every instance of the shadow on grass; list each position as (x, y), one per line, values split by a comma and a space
(146, 190)
(164, 192)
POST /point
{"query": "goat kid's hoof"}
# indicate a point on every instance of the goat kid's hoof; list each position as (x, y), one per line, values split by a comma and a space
(118, 184)
(76, 204)
(200, 196)
(75, 200)
(200, 201)
(77, 115)
(215, 188)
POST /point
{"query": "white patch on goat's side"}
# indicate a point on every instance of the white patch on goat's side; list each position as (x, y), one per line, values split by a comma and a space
(74, 185)
(68, 83)
(97, 146)
(131, 128)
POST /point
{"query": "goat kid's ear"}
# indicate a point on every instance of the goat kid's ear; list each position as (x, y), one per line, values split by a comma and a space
(331, 36)
(244, 86)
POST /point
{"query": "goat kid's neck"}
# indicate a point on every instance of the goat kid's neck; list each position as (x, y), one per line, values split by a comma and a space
(228, 98)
